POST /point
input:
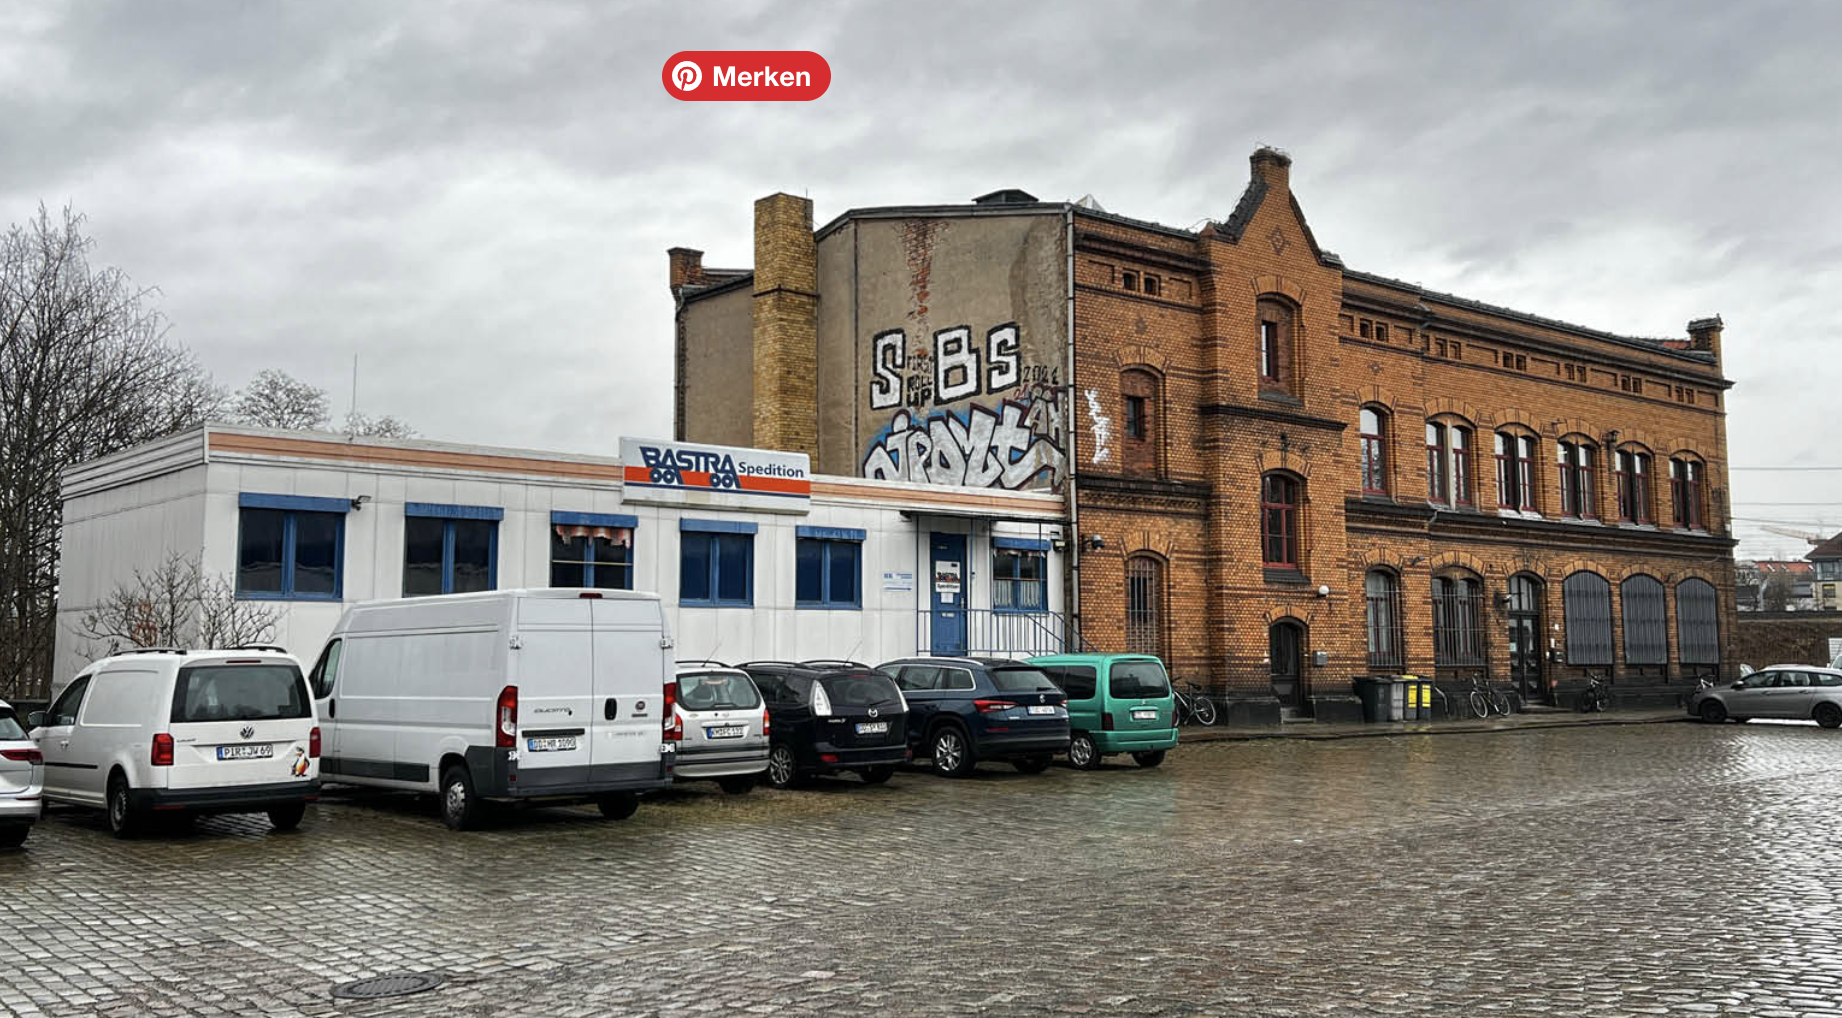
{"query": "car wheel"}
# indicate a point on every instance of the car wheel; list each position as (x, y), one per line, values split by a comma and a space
(952, 757)
(618, 805)
(876, 775)
(13, 837)
(781, 772)
(1032, 764)
(739, 784)
(124, 819)
(1712, 712)
(1083, 755)
(1828, 715)
(461, 810)
(1149, 759)
(287, 818)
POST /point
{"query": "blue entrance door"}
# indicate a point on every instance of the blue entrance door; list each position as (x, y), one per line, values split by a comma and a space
(948, 575)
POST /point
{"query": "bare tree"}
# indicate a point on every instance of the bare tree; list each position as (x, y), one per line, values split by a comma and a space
(358, 425)
(276, 399)
(1778, 591)
(175, 604)
(85, 370)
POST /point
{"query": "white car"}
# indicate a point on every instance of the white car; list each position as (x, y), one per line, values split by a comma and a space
(724, 725)
(1778, 691)
(22, 773)
(184, 733)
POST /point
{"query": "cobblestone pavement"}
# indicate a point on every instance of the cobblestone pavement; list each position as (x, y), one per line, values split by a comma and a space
(1627, 870)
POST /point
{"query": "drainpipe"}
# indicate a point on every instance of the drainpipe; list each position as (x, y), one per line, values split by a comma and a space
(1074, 513)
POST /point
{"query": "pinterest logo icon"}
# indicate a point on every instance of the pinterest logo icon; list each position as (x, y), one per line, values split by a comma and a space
(687, 75)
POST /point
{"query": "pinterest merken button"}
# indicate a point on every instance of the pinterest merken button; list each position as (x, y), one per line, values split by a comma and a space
(746, 75)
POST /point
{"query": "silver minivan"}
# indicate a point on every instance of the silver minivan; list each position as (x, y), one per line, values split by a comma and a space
(725, 725)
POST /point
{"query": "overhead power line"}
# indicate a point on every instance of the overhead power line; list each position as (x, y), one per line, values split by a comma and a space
(1832, 469)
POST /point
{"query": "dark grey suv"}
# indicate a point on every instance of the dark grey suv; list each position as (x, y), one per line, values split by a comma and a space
(966, 709)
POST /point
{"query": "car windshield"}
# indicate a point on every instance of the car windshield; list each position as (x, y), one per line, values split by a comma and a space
(860, 689)
(9, 726)
(256, 692)
(717, 691)
(1137, 679)
(1023, 680)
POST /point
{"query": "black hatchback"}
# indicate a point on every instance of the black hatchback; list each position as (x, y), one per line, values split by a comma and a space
(826, 717)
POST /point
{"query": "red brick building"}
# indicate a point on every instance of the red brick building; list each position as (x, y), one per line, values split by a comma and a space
(1283, 472)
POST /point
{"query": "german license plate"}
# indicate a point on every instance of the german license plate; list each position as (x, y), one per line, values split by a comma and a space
(726, 732)
(1042, 709)
(259, 752)
(872, 728)
(550, 743)
(1145, 715)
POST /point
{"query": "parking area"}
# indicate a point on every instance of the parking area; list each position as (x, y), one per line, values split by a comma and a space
(1642, 869)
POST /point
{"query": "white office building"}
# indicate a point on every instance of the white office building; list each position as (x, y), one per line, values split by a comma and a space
(754, 557)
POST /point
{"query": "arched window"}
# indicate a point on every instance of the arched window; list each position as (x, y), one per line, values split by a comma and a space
(1697, 628)
(1646, 624)
(1632, 472)
(1458, 621)
(1276, 322)
(1279, 501)
(1586, 600)
(1515, 471)
(1145, 605)
(1141, 443)
(1686, 492)
(1574, 457)
(1448, 462)
(1373, 436)
(1383, 592)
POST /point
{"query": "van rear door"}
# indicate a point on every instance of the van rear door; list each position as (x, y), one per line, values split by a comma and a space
(554, 674)
(240, 721)
(630, 677)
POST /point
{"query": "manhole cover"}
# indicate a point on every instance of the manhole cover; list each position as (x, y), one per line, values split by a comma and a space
(397, 985)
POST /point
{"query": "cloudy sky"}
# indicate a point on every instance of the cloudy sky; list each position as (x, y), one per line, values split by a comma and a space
(475, 198)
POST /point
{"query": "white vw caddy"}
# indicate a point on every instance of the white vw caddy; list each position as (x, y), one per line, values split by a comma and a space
(502, 696)
(183, 732)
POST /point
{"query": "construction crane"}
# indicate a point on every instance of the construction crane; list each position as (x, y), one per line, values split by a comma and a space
(1804, 535)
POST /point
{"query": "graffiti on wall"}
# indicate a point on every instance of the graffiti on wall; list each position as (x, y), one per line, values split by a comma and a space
(1103, 427)
(1016, 441)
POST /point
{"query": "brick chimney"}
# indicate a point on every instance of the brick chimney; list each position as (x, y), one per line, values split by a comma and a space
(785, 326)
(687, 268)
(1274, 168)
(1704, 334)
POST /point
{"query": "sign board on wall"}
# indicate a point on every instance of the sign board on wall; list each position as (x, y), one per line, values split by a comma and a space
(895, 581)
(714, 476)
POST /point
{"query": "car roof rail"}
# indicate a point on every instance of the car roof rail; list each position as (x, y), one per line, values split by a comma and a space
(258, 646)
(710, 661)
(152, 650)
(831, 662)
(768, 664)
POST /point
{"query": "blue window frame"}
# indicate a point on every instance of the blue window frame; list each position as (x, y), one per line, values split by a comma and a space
(1019, 571)
(450, 549)
(592, 550)
(828, 568)
(291, 547)
(716, 563)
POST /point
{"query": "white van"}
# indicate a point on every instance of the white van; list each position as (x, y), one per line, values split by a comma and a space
(183, 733)
(504, 696)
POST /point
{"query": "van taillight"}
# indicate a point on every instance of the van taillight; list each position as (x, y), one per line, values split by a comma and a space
(31, 756)
(505, 735)
(673, 728)
(764, 721)
(313, 743)
(162, 750)
(1106, 721)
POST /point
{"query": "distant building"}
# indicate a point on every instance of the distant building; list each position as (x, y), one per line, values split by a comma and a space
(1826, 585)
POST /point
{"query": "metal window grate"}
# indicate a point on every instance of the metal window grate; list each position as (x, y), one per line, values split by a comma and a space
(1646, 621)
(1587, 603)
(1144, 596)
(1458, 632)
(1384, 621)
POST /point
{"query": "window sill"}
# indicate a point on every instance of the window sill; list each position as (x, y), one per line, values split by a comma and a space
(262, 596)
(1278, 396)
(1282, 574)
(716, 604)
(814, 606)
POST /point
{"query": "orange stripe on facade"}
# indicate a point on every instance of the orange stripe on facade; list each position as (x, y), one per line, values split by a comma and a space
(487, 463)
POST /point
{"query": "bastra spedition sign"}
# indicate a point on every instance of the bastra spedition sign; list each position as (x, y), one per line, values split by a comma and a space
(686, 474)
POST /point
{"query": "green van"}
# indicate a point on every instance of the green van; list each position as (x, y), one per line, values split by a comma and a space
(1117, 703)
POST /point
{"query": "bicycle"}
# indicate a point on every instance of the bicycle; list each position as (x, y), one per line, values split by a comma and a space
(1194, 705)
(1486, 699)
(1596, 696)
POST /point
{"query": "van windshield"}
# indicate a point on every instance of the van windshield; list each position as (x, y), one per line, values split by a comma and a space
(864, 689)
(9, 727)
(1142, 680)
(239, 693)
(717, 691)
(1023, 680)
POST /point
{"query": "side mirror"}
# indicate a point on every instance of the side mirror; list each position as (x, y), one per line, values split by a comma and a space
(36, 719)
(1739, 685)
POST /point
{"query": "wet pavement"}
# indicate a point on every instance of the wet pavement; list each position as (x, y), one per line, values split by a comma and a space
(1606, 870)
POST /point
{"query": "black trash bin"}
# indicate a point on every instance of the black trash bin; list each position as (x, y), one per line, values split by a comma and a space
(1374, 691)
